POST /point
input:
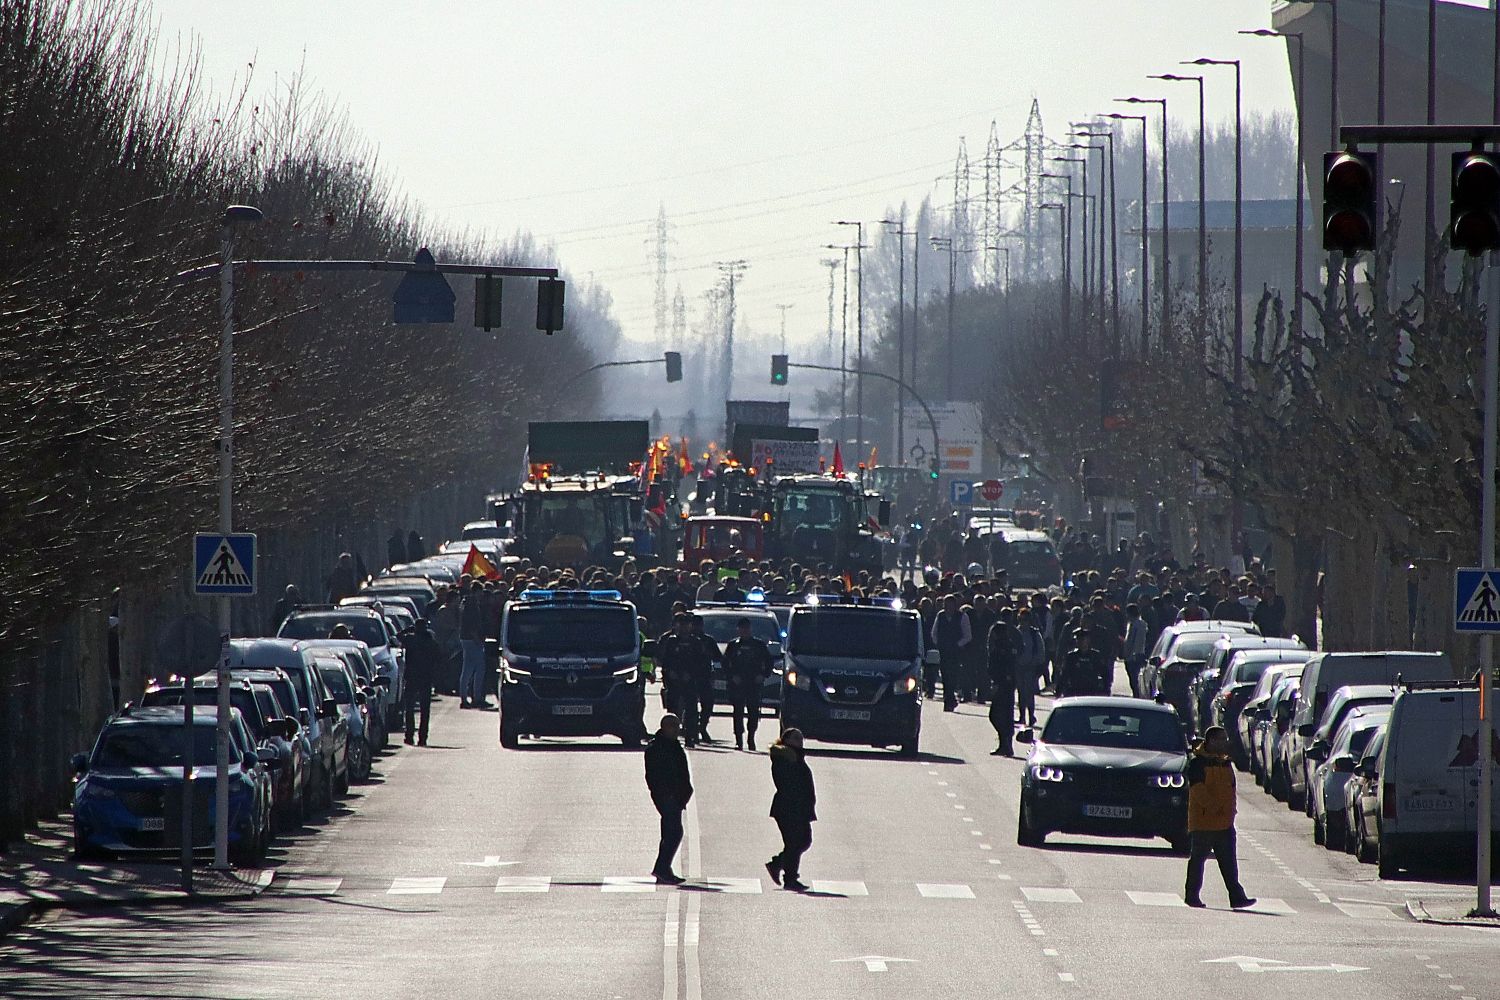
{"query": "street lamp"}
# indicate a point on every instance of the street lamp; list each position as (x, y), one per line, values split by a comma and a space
(1098, 220)
(1202, 195)
(1062, 233)
(1239, 216)
(945, 244)
(859, 323)
(900, 225)
(843, 341)
(1067, 239)
(1083, 228)
(1114, 242)
(1296, 36)
(1166, 256)
(1145, 254)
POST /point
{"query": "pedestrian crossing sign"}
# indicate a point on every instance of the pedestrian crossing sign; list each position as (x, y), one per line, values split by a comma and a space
(1476, 604)
(223, 565)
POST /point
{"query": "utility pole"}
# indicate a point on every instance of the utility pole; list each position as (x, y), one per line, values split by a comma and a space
(832, 263)
(783, 306)
(859, 324)
(900, 225)
(1145, 255)
(843, 343)
(731, 270)
(945, 243)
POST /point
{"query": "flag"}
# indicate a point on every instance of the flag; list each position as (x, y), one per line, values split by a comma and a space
(874, 457)
(838, 460)
(478, 567)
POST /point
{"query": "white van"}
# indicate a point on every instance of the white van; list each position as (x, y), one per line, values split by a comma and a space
(1429, 774)
(1325, 674)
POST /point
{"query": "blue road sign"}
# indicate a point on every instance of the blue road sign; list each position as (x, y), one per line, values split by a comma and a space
(223, 565)
(1476, 600)
(961, 493)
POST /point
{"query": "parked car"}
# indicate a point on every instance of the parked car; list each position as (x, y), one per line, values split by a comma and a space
(1280, 710)
(299, 801)
(407, 604)
(1324, 674)
(1344, 701)
(1169, 675)
(1240, 660)
(1330, 778)
(418, 588)
(1256, 713)
(1363, 796)
(127, 793)
(359, 746)
(317, 711)
(369, 627)
(268, 724)
(377, 688)
(1111, 767)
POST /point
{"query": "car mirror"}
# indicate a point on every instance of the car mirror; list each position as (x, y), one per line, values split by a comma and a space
(1306, 729)
(329, 708)
(80, 763)
(1318, 751)
(285, 728)
(1343, 764)
(383, 681)
(932, 658)
(305, 716)
(1366, 771)
(1025, 736)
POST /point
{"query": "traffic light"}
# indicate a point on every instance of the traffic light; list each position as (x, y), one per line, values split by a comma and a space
(778, 369)
(1475, 202)
(674, 366)
(549, 304)
(932, 467)
(1350, 206)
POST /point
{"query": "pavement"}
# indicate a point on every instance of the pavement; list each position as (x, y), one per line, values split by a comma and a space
(466, 871)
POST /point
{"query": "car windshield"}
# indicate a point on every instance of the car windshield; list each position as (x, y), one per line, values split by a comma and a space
(1108, 726)
(561, 514)
(1031, 550)
(338, 683)
(722, 628)
(362, 627)
(138, 745)
(202, 695)
(810, 509)
(861, 635)
(555, 631)
(1195, 647)
(1249, 671)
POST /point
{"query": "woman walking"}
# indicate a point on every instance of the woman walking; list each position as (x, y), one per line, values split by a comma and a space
(793, 808)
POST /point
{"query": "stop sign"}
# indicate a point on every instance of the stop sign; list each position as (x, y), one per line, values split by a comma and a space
(992, 490)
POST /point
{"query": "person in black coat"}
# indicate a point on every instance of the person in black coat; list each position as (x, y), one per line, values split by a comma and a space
(1003, 646)
(793, 808)
(424, 659)
(671, 787)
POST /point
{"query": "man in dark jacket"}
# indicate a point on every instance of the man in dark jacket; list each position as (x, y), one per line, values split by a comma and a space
(285, 605)
(1211, 809)
(1003, 646)
(424, 659)
(951, 632)
(344, 580)
(671, 787)
(794, 808)
(1270, 614)
(701, 652)
(395, 549)
(473, 627)
(747, 664)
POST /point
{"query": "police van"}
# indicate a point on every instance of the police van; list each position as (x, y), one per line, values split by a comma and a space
(570, 665)
(853, 672)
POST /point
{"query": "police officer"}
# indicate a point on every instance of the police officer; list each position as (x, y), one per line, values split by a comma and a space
(747, 663)
(1082, 669)
(701, 653)
(677, 694)
(423, 659)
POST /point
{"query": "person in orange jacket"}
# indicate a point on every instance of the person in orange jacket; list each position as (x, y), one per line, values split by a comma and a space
(1210, 820)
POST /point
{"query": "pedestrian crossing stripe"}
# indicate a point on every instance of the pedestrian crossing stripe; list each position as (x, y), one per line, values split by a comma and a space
(1476, 601)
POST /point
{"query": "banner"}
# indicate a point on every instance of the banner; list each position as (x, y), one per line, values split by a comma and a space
(790, 456)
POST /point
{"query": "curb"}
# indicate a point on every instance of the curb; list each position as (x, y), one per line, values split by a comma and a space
(23, 913)
(1418, 912)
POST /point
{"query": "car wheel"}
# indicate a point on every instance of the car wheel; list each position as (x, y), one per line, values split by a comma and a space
(912, 746)
(1026, 834)
(1333, 833)
(342, 784)
(359, 760)
(1387, 862)
(1362, 849)
(1319, 836)
(330, 784)
(83, 850)
(509, 738)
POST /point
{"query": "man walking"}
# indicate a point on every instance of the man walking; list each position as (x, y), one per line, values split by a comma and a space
(671, 787)
(702, 652)
(794, 808)
(951, 632)
(1003, 643)
(424, 657)
(1135, 647)
(747, 664)
(1211, 807)
(473, 621)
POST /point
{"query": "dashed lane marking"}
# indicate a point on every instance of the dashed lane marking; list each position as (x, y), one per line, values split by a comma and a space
(416, 886)
(931, 890)
(1367, 911)
(1042, 895)
(832, 887)
(313, 886)
(523, 883)
(1155, 898)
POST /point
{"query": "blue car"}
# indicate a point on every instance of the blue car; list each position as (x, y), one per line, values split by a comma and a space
(127, 797)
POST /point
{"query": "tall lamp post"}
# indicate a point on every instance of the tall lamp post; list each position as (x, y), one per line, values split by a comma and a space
(1067, 248)
(1145, 248)
(859, 324)
(1239, 215)
(1099, 203)
(1296, 36)
(945, 244)
(1114, 242)
(1166, 256)
(900, 226)
(1083, 226)
(234, 215)
(1202, 196)
(843, 343)
(1062, 238)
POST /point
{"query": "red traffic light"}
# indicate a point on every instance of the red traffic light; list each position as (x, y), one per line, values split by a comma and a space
(1474, 203)
(1350, 206)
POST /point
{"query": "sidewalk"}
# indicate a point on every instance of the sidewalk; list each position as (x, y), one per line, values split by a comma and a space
(1450, 911)
(40, 874)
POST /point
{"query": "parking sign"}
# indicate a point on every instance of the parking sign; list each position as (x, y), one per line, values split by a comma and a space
(961, 493)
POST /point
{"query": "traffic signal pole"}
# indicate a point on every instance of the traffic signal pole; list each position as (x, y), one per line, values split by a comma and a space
(1476, 136)
(899, 383)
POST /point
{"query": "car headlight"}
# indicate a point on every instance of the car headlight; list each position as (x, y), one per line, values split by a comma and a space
(1044, 772)
(905, 685)
(798, 680)
(1169, 781)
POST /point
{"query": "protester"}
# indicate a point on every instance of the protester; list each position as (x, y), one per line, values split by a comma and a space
(794, 808)
(1134, 651)
(1211, 809)
(1002, 649)
(950, 634)
(424, 658)
(671, 787)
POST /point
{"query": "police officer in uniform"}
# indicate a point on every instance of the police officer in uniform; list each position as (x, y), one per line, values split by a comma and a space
(677, 694)
(1083, 670)
(701, 652)
(747, 663)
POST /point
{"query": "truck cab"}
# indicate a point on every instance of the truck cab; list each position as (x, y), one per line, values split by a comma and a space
(853, 673)
(827, 519)
(570, 665)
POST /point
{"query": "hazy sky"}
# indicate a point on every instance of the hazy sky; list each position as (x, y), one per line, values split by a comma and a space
(755, 124)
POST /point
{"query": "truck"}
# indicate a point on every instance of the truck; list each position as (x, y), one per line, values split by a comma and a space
(570, 665)
(827, 519)
(581, 503)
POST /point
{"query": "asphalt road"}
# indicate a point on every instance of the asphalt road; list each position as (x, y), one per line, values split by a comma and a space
(464, 871)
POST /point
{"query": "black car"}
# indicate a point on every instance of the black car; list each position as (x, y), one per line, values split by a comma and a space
(1108, 767)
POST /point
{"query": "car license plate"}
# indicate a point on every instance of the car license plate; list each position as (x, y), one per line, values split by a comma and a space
(849, 715)
(572, 709)
(1428, 803)
(153, 823)
(1109, 812)
(721, 685)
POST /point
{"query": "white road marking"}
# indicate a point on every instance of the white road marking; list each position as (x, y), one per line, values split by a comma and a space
(1155, 898)
(933, 890)
(313, 886)
(692, 975)
(836, 888)
(874, 963)
(959, 805)
(742, 886)
(523, 883)
(1066, 977)
(490, 861)
(1367, 911)
(986, 847)
(1272, 904)
(628, 883)
(416, 886)
(1042, 895)
(671, 930)
(1050, 952)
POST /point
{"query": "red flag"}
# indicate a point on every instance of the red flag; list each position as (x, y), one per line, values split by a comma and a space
(478, 567)
(838, 460)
